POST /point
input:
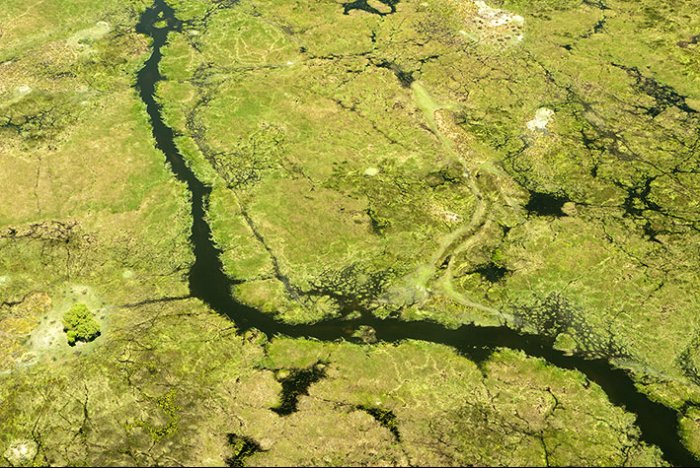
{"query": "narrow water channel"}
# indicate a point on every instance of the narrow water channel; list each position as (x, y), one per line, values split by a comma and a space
(208, 282)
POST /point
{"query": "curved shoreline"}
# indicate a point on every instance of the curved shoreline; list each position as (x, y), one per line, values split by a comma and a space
(208, 282)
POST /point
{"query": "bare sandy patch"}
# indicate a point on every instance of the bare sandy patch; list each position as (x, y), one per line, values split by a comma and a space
(48, 338)
(495, 26)
(542, 118)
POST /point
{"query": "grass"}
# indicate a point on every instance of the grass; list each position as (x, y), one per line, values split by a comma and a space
(310, 201)
(336, 186)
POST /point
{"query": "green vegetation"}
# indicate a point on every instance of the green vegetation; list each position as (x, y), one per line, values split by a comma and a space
(555, 150)
(241, 448)
(510, 410)
(80, 325)
(532, 164)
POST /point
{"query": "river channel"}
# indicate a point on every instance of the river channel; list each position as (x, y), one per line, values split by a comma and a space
(209, 283)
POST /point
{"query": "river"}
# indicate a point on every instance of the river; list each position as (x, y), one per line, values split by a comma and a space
(209, 283)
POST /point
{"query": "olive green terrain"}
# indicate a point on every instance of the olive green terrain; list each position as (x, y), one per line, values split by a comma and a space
(524, 163)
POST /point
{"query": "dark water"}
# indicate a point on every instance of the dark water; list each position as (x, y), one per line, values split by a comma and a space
(545, 204)
(242, 447)
(385, 418)
(208, 282)
(363, 5)
(295, 385)
(492, 272)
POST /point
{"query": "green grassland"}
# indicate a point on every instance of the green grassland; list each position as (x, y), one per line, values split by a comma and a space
(360, 160)
(362, 188)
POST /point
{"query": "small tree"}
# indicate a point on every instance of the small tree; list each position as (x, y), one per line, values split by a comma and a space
(80, 325)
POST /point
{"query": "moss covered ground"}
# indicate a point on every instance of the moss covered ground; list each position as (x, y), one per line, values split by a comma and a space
(531, 164)
(526, 162)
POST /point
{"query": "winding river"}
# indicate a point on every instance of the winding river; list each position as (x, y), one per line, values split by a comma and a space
(208, 282)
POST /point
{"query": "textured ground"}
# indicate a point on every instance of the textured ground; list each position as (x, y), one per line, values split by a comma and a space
(527, 163)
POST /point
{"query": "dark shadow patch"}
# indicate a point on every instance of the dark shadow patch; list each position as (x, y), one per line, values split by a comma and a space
(241, 448)
(546, 204)
(296, 384)
(386, 418)
(692, 41)
(363, 5)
